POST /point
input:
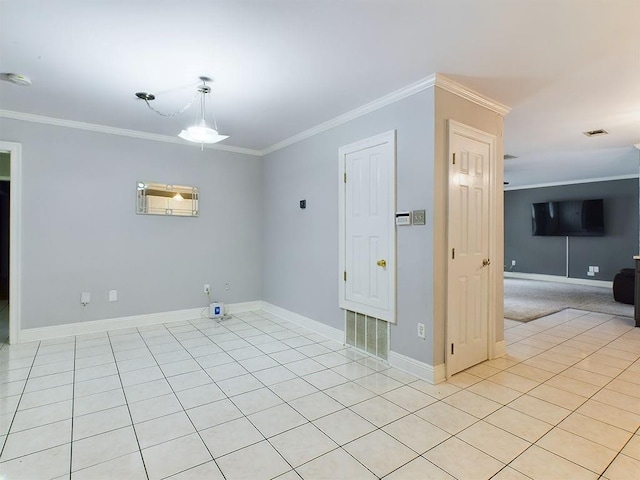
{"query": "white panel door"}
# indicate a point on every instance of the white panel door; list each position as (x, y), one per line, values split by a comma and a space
(469, 262)
(368, 281)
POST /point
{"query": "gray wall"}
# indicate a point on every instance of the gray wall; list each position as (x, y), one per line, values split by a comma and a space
(300, 250)
(80, 230)
(546, 255)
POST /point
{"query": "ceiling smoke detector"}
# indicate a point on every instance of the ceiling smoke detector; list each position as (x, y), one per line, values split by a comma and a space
(16, 79)
(596, 133)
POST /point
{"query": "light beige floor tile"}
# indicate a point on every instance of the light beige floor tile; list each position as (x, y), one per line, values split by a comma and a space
(160, 430)
(400, 375)
(573, 386)
(100, 422)
(378, 383)
(617, 399)
(418, 469)
(237, 385)
(349, 393)
(463, 379)
(439, 391)
(44, 465)
(494, 441)
(508, 473)
(230, 436)
(612, 415)
(379, 411)
(208, 470)
(175, 456)
(469, 402)
(100, 401)
(462, 460)
(37, 439)
(632, 449)
(145, 391)
(344, 426)
(543, 465)
(409, 398)
(482, 370)
(302, 444)
(336, 464)
(595, 430)
(380, 452)
(415, 433)
(532, 373)
(273, 375)
(513, 381)
(519, 424)
(39, 416)
(316, 405)
(494, 392)
(256, 400)
(128, 466)
(622, 468)
(212, 414)
(325, 379)
(353, 370)
(540, 409)
(292, 389)
(102, 448)
(154, 408)
(627, 388)
(446, 417)
(257, 462)
(276, 420)
(577, 449)
(194, 397)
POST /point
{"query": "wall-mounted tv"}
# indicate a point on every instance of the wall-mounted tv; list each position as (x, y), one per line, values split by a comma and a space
(581, 218)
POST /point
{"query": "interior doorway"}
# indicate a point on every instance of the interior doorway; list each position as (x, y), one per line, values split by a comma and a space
(5, 189)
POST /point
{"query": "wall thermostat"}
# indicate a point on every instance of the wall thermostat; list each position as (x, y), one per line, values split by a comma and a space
(403, 218)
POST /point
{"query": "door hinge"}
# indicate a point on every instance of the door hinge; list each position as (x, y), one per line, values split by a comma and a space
(452, 349)
(345, 178)
(345, 276)
(453, 254)
(454, 158)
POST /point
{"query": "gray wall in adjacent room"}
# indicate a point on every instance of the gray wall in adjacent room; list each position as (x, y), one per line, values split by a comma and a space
(300, 250)
(546, 255)
(80, 231)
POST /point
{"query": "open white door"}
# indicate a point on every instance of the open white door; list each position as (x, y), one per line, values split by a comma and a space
(367, 227)
(471, 155)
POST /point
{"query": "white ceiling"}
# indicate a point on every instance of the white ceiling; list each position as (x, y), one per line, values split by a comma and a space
(282, 67)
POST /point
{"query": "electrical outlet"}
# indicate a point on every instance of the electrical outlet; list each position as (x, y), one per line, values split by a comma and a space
(113, 295)
(85, 298)
(207, 288)
(421, 332)
(513, 263)
(596, 269)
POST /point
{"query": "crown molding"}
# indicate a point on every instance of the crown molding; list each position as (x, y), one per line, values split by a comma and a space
(435, 79)
(93, 127)
(458, 89)
(573, 182)
(388, 99)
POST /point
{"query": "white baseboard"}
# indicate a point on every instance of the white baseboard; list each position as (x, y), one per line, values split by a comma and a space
(559, 279)
(95, 326)
(332, 333)
(426, 372)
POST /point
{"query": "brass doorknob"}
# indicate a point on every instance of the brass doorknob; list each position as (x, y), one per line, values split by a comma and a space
(486, 262)
(382, 263)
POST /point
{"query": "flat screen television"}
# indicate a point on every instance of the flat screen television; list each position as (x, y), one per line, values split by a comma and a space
(581, 218)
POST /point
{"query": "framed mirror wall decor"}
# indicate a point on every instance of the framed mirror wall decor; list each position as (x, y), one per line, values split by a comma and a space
(166, 199)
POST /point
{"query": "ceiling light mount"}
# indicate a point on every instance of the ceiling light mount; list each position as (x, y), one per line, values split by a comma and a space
(596, 133)
(145, 96)
(16, 79)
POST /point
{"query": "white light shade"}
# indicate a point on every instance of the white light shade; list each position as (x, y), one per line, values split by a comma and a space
(202, 134)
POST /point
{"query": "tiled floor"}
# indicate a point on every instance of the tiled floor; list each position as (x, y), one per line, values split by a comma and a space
(257, 397)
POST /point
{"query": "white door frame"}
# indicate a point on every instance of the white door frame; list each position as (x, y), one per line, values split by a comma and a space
(15, 240)
(458, 128)
(386, 137)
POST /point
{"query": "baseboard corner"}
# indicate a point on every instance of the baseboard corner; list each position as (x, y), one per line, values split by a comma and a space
(429, 373)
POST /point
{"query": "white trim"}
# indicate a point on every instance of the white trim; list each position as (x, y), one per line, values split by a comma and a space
(93, 127)
(499, 349)
(15, 239)
(464, 92)
(637, 145)
(426, 372)
(573, 182)
(95, 326)
(389, 315)
(559, 279)
(331, 333)
(435, 79)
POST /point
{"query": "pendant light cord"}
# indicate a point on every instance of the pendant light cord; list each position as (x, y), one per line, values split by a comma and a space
(176, 113)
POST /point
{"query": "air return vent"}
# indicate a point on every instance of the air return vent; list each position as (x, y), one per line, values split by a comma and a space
(596, 133)
(368, 334)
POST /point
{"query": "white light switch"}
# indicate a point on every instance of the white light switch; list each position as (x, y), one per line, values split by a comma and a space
(113, 295)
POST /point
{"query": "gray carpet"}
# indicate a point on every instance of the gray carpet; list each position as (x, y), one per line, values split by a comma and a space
(526, 300)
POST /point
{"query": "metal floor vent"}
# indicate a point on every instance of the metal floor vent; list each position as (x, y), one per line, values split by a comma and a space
(368, 334)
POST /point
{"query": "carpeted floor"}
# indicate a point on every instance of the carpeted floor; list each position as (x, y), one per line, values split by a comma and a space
(526, 300)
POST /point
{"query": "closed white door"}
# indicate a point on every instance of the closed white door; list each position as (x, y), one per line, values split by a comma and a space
(469, 262)
(368, 207)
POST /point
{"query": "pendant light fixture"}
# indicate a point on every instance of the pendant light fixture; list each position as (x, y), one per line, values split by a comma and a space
(200, 132)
